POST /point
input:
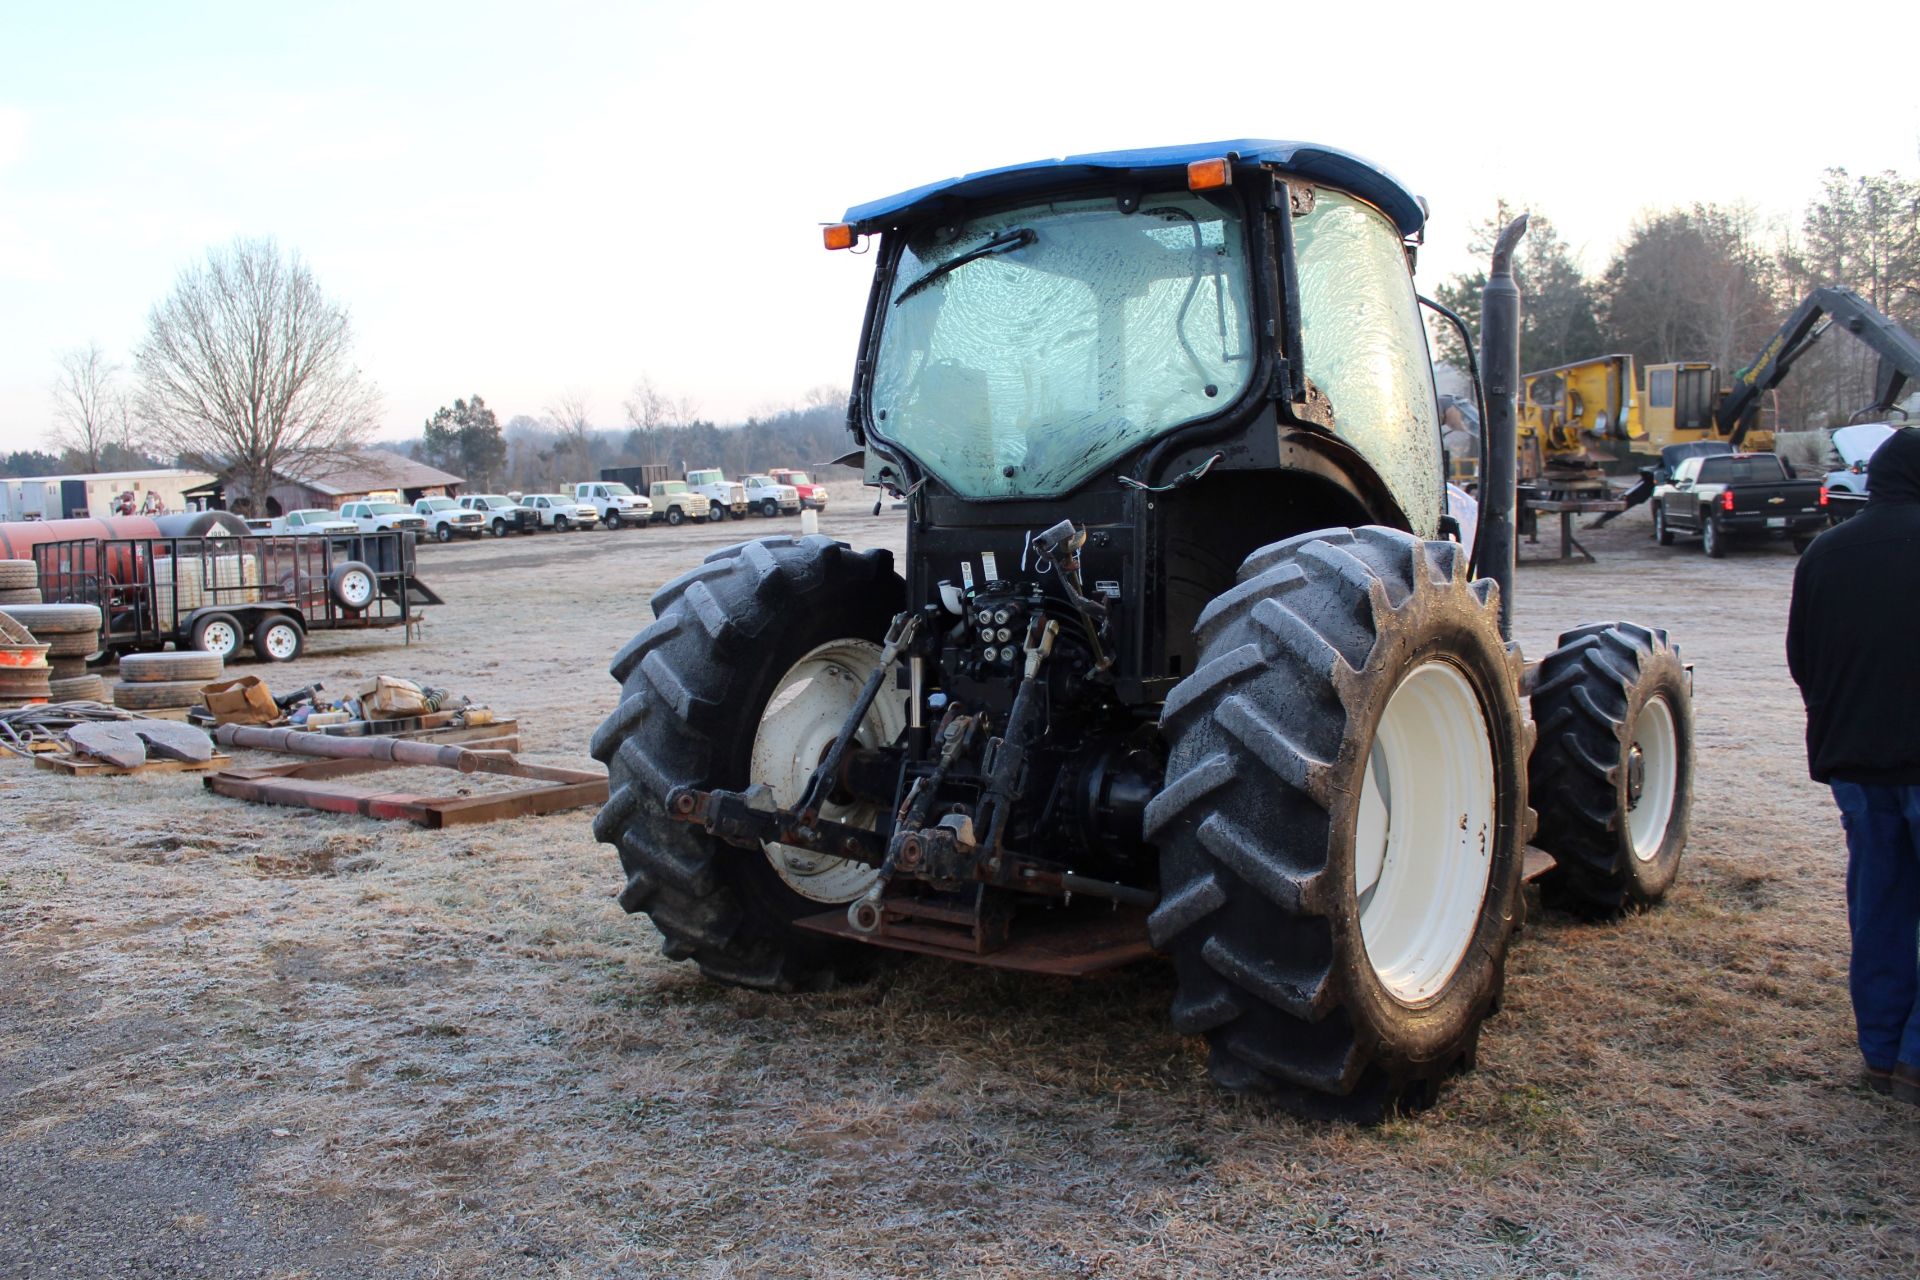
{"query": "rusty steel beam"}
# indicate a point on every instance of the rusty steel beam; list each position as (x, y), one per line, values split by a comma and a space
(326, 746)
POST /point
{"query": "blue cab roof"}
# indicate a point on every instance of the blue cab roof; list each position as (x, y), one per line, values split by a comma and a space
(1338, 168)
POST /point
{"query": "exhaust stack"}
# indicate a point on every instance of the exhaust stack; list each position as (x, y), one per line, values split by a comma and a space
(1499, 434)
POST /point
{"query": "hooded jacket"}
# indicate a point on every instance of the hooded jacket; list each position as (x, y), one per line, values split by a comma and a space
(1853, 630)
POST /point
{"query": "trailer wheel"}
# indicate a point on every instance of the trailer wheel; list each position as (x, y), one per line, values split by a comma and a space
(1341, 829)
(1612, 775)
(743, 677)
(219, 634)
(278, 638)
(352, 585)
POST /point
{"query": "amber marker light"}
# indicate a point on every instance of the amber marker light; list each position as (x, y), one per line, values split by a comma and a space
(839, 236)
(1205, 175)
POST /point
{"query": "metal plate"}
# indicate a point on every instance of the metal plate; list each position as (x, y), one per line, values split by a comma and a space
(1070, 942)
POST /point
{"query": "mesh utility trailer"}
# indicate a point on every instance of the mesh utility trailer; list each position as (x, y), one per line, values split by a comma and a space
(219, 594)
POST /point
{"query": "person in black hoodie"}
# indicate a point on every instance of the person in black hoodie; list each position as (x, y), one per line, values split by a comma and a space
(1853, 646)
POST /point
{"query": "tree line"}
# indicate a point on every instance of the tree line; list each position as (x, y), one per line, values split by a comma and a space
(1710, 282)
(562, 445)
(246, 367)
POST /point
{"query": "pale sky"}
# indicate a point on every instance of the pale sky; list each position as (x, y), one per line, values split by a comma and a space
(528, 200)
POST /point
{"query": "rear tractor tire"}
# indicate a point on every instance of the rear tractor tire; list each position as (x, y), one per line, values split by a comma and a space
(1612, 773)
(751, 664)
(1343, 820)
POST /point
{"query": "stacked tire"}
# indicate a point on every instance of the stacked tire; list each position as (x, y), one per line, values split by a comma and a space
(19, 582)
(165, 681)
(71, 633)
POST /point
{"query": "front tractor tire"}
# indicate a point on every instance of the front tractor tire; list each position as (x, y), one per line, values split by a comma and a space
(1343, 820)
(1612, 772)
(750, 666)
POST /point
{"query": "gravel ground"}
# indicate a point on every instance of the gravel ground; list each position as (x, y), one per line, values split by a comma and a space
(246, 1041)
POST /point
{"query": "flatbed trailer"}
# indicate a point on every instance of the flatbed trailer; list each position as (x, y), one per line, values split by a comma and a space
(215, 593)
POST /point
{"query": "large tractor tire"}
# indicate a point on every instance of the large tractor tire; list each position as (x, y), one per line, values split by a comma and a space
(753, 661)
(1612, 773)
(1343, 821)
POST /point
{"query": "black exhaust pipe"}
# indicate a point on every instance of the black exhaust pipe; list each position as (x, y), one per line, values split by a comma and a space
(1499, 434)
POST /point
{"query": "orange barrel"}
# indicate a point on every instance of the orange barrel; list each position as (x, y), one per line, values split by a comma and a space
(18, 538)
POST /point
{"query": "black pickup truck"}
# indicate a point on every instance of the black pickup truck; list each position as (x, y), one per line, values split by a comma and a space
(1726, 496)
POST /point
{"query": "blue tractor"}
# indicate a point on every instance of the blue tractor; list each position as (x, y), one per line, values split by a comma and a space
(1193, 651)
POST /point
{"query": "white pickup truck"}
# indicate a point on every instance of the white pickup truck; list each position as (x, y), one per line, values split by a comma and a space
(614, 502)
(769, 497)
(382, 517)
(308, 521)
(560, 511)
(447, 519)
(725, 497)
(502, 514)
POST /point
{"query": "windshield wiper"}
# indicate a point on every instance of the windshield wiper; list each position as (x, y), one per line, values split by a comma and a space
(1005, 242)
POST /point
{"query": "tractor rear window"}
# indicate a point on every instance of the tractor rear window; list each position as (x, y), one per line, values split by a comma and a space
(1020, 352)
(1365, 350)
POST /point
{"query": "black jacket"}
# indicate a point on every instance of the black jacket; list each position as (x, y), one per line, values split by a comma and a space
(1853, 630)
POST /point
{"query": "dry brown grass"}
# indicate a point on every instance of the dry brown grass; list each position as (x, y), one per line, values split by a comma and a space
(470, 1048)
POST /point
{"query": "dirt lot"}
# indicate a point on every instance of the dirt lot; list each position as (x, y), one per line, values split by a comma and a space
(244, 1041)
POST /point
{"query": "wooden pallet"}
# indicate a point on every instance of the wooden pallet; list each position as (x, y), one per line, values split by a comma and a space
(314, 784)
(88, 767)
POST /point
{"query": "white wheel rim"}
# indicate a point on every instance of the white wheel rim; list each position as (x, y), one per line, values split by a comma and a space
(280, 641)
(807, 708)
(1424, 832)
(357, 588)
(220, 638)
(1653, 778)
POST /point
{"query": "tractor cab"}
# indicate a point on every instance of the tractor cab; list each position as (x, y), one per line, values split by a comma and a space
(1191, 351)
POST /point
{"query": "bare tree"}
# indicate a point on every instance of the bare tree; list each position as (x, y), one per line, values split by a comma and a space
(826, 396)
(647, 408)
(572, 421)
(89, 404)
(248, 366)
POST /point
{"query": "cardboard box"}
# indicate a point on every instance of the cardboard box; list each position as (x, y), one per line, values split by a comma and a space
(243, 701)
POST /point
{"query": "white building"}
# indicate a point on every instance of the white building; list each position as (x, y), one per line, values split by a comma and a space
(99, 494)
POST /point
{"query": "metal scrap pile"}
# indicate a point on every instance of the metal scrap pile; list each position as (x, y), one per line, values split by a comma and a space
(24, 731)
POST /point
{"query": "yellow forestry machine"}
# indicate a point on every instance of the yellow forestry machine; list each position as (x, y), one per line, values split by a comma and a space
(1576, 417)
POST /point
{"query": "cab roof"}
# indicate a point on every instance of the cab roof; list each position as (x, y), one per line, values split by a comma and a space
(1339, 168)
